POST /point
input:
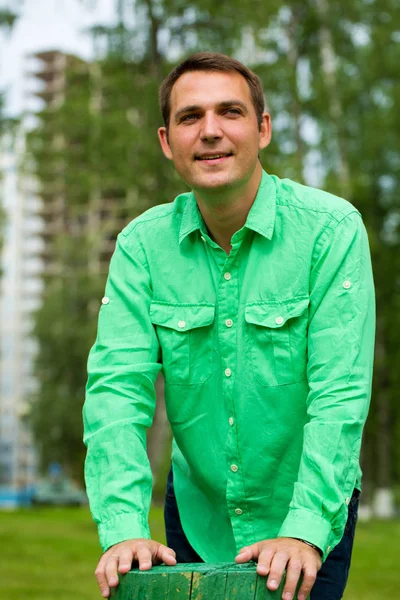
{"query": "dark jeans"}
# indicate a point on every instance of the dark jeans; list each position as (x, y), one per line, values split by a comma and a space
(332, 577)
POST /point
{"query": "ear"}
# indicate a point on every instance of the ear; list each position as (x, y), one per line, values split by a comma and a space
(163, 137)
(265, 131)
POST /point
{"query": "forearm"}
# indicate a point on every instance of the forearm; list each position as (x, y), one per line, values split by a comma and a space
(120, 401)
(340, 359)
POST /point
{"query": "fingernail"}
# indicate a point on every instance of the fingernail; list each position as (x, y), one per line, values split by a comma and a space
(301, 597)
(113, 580)
(288, 596)
(273, 583)
(104, 594)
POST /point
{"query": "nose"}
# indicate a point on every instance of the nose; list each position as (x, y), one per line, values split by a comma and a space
(211, 128)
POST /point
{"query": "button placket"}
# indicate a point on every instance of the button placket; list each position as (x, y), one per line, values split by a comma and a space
(228, 302)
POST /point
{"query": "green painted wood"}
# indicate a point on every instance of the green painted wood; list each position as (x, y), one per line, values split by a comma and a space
(241, 585)
(180, 585)
(143, 585)
(196, 581)
(208, 585)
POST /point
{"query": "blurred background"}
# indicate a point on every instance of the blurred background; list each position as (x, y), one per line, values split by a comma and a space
(79, 159)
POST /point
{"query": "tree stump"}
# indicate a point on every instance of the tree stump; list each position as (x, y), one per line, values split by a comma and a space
(196, 581)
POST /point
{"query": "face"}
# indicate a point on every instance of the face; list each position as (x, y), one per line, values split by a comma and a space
(214, 137)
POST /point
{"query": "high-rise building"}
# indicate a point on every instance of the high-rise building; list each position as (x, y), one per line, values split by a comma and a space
(71, 204)
(19, 296)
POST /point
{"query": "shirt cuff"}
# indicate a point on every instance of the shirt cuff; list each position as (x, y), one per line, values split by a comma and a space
(124, 526)
(306, 525)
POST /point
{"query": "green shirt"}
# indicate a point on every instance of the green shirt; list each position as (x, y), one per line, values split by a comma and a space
(267, 355)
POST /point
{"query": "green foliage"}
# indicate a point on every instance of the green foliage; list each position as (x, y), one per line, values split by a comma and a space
(65, 328)
(7, 18)
(330, 73)
(7, 125)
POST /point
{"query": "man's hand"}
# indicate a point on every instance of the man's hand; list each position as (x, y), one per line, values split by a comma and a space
(276, 555)
(119, 558)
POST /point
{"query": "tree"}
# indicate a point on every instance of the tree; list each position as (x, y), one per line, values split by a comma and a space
(7, 20)
(330, 72)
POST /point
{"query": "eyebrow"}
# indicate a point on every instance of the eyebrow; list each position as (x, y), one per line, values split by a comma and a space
(224, 104)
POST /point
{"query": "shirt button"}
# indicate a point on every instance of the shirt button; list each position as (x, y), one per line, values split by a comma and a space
(228, 372)
(347, 284)
(203, 239)
(238, 511)
(105, 300)
(279, 320)
(231, 421)
(234, 468)
(347, 501)
(181, 324)
(227, 276)
(328, 548)
(229, 322)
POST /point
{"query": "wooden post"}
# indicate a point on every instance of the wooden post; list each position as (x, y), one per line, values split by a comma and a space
(196, 581)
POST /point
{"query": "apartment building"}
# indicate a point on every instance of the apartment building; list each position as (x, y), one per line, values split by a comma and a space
(20, 289)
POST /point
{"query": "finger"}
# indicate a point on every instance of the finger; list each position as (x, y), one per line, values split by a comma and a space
(248, 553)
(101, 577)
(309, 578)
(264, 561)
(125, 560)
(111, 570)
(144, 557)
(292, 577)
(166, 555)
(278, 565)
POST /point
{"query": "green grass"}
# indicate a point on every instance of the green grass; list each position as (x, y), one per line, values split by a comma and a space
(51, 554)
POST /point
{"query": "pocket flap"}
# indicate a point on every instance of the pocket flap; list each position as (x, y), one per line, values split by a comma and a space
(275, 314)
(182, 317)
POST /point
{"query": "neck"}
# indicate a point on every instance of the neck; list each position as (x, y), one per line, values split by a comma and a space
(225, 211)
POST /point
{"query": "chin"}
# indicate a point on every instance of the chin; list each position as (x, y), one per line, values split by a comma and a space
(212, 182)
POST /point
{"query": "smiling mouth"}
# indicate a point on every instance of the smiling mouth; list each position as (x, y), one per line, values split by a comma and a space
(213, 158)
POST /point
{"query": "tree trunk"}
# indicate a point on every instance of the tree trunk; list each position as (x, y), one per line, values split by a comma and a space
(328, 64)
(384, 498)
(293, 58)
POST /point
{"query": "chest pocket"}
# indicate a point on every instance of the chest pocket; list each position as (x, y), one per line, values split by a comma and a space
(277, 338)
(185, 335)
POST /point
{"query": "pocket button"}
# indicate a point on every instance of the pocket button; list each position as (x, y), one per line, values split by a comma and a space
(279, 320)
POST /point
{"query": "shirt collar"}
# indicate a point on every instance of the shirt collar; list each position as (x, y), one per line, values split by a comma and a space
(261, 217)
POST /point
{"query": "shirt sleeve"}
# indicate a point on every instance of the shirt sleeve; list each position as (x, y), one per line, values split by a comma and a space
(340, 358)
(120, 400)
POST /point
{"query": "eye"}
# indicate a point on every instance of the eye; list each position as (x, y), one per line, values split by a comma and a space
(189, 117)
(234, 111)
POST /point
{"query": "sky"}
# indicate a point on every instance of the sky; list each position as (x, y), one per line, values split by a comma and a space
(43, 25)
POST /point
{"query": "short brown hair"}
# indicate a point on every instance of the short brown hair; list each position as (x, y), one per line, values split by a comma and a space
(210, 61)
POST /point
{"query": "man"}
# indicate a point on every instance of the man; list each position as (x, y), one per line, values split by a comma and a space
(255, 296)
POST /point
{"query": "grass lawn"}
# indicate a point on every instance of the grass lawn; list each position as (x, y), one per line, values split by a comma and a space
(51, 554)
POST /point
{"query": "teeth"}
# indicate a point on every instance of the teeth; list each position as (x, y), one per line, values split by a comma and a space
(211, 157)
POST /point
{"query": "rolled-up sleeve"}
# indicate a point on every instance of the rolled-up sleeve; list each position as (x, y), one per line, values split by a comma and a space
(341, 337)
(120, 399)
